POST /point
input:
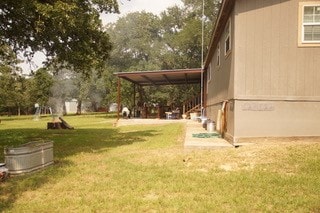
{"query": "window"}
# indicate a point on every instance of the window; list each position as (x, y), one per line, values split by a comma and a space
(218, 55)
(208, 77)
(227, 41)
(310, 24)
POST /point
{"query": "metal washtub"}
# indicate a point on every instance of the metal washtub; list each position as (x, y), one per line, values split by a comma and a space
(29, 157)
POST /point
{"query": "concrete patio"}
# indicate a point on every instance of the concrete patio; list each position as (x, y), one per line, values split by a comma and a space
(195, 128)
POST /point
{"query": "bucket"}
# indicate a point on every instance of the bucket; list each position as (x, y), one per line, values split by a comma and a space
(211, 126)
(204, 122)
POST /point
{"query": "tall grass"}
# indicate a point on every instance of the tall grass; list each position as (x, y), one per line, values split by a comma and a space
(100, 168)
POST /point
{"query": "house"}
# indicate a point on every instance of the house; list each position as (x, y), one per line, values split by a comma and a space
(262, 72)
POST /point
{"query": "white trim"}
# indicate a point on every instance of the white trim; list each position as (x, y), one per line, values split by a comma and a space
(209, 77)
(209, 73)
(227, 36)
(302, 42)
(218, 56)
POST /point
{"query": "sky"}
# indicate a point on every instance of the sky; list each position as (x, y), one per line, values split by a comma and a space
(125, 6)
(153, 6)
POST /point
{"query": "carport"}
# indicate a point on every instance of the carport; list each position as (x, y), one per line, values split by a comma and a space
(157, 78)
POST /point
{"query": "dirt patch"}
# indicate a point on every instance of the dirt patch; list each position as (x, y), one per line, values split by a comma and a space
(272, 155)
(278, 140)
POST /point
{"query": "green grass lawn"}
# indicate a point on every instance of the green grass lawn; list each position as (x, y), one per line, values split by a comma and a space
(101, 168)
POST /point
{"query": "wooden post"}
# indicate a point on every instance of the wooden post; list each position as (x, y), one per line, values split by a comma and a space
(134, 101)
(119, 97)
(159, 111)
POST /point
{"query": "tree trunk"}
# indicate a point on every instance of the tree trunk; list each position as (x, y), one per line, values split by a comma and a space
(79, 107)
(141, 95)
(9, 111)
(64, 108)
(94, 106)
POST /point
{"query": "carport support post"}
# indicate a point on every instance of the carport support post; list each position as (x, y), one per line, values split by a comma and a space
(119, 98)
(134, 101)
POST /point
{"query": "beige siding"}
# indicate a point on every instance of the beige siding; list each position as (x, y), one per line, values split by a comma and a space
(268, 62)
(221, 87)
(271, 83)
(276, 119)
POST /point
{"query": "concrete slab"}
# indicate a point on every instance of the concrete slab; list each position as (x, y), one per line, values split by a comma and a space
(194, 128)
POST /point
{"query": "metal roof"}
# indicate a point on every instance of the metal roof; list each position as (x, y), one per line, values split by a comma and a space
(163, 77)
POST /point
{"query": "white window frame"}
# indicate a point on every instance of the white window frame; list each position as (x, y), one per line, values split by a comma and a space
(302, 25)
(227, 38)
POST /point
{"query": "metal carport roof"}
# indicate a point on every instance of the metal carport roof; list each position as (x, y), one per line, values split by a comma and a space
(163, 77)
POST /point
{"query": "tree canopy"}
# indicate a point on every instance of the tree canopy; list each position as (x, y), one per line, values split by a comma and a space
(144, 41)
(70, 32)
(67, 31)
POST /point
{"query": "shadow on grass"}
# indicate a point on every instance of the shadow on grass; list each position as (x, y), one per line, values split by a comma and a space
(66, 143)
(16, 118)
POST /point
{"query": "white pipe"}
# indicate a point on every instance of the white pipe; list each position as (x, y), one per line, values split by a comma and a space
(202, 58)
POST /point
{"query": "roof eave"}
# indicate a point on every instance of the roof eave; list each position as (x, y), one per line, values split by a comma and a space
(224, 13)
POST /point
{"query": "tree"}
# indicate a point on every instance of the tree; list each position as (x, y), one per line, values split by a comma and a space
(7, 87)
(13, 92)
(182, 32)
(68, 32)
(81, 90)
(144, 41)
(136, 39)
(61, 90)
(40, 87)
(91, 89)
(110, 89)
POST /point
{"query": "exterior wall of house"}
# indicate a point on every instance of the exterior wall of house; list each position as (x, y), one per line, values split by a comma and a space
(268, 63)
(221, 85)
(277, 89)
(271, 82)
(276, 119)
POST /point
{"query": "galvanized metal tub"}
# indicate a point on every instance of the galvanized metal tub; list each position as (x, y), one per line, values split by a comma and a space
(29, 157)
